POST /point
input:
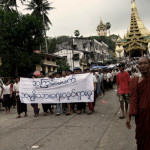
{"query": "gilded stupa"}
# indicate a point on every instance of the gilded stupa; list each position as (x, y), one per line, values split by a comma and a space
(101, 29)
(135, 42)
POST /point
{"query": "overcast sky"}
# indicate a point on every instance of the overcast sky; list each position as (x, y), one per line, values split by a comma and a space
(85, 15)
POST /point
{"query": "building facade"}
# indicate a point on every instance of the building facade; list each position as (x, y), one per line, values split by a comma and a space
(82, 52)
(49, 63)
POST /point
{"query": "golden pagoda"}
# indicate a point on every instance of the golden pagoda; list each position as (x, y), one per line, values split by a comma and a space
(101, 29)
(136, 40)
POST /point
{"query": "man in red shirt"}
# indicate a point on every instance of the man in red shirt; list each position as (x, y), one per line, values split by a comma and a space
(123, 84)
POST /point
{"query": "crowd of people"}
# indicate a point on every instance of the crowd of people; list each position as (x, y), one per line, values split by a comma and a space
(133, 82)
(104, 80)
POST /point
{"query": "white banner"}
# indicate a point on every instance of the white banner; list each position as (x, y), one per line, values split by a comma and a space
(71, 89)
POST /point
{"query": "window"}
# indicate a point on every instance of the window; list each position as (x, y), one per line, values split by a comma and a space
(74, 47)
(84, 45)
(53, 59)
(48, 59)
(76, 57)
(65, 58)
(49, 69)
(43, 68)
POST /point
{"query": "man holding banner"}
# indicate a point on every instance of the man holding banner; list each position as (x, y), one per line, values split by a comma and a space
(47, 106)
(76, 88)
(82, 105)
(21, 107)
(92, 104)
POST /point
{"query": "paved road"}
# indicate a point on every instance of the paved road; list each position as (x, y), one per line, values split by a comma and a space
(102, 130)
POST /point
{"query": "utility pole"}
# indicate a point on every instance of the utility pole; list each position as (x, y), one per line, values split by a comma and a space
(72, 54)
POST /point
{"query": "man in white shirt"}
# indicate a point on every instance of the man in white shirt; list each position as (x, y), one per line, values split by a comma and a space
(101, 76)
(92, 104)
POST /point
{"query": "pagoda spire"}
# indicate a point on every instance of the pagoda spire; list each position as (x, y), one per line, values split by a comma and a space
(135, 15)
(135, 43)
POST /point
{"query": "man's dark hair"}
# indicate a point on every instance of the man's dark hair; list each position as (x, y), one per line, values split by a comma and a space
(15, 77)
(121, 65)
(77, 69)
(69, 70)
(43, 72)
(86, 70)
(5, 81)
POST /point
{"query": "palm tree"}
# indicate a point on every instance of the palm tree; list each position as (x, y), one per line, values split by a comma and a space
(108, 26)
(76, 33)
(40, 8)
(9, 4)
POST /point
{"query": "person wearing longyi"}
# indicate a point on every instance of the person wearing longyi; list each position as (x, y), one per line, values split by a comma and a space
(21, 107)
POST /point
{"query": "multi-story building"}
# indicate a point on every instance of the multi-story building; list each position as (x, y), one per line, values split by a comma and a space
(49, 63)
(82, 52)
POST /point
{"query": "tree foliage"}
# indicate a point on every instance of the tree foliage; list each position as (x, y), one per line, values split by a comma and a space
(114, 37)
(62, 65)
(19, 37)
(76, 33)
(10, 4)
(105, 39)
(40, 8)
(52, 45)
(52, 42)
(108, 25)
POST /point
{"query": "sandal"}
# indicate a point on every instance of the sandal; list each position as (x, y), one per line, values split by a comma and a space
(18, 117)
(67, 114)
(122, 117)
(89, 113)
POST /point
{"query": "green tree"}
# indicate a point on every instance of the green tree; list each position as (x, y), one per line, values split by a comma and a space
(52, 42)
(114, 37)
(9, 4)
(40, 8)
(76, 33)
(52, 45)
(105, 39)
(108, 26)
(63, 65)
(19, 37)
